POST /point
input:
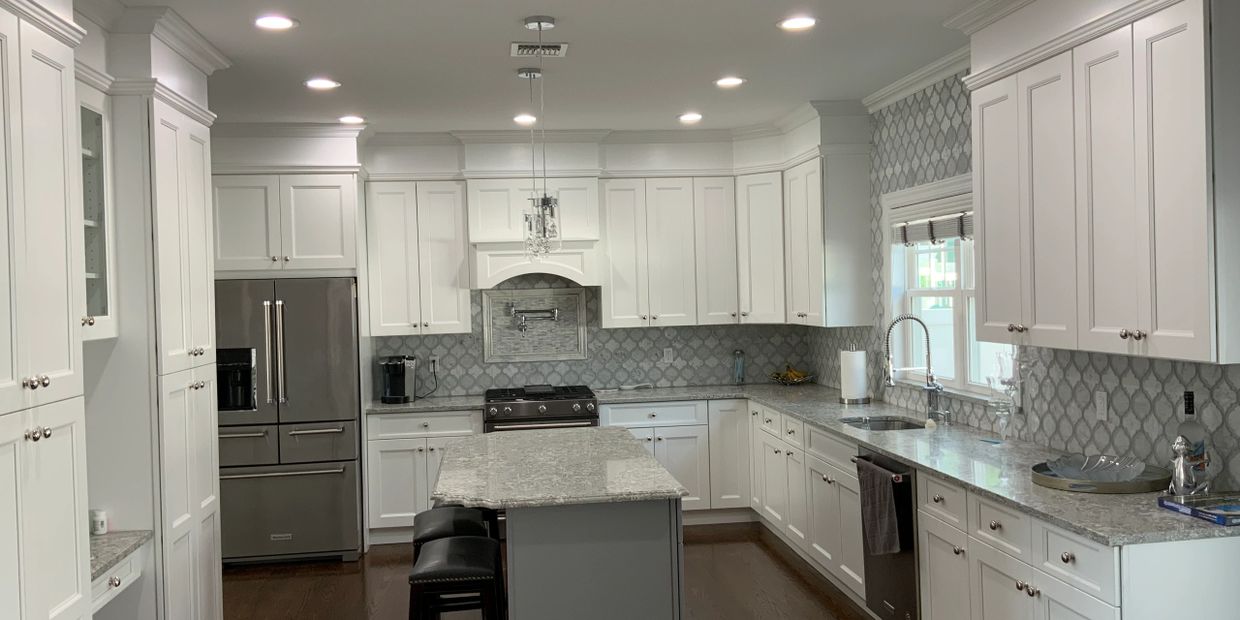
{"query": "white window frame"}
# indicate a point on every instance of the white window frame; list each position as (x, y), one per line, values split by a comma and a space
(960, 296)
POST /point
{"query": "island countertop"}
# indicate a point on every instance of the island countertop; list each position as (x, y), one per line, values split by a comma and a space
(553, 467)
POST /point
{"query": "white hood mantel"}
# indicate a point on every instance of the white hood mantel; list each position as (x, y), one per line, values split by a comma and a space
(493, 263)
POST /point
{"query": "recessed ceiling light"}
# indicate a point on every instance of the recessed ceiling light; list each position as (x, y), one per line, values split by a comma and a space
(539, 22)
(350, 119)
(730, 81)
(275, 22)
(322, 83)
(798, 22)
(690, 118)
(525, 119)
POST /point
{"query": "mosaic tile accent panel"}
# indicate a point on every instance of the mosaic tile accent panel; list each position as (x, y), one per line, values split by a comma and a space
(510, 339)
(925, 138)
(703, 355)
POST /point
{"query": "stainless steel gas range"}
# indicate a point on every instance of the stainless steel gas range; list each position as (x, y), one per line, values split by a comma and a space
(539, 406)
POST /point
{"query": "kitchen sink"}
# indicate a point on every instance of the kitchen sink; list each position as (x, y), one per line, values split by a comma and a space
(884, 423)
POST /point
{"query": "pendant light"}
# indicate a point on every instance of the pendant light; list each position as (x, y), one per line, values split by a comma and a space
(542, 225)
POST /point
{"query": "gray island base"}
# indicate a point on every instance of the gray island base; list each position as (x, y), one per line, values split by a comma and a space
(593, 521)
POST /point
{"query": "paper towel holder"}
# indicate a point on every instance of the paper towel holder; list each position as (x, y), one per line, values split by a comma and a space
(855, 401)
(864, 400)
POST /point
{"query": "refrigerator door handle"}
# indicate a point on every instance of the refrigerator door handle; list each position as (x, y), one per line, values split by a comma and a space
(267, 349)
(280, 350)
(283, 474)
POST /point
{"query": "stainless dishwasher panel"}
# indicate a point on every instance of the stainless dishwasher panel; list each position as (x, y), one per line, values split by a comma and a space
(891, 580)
(309, 509)
(321, 441)
(249, 445)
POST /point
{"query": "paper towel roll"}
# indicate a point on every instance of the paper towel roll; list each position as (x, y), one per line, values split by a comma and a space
(853, 383)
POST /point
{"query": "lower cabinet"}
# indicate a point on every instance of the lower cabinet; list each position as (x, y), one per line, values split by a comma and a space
(685, 452)
(834, 537)
(402, 477)
(1004, 588)
(944, 566)
(774, 481)
(755, 456)
(852, 551)
(797, 527)
(729, 453)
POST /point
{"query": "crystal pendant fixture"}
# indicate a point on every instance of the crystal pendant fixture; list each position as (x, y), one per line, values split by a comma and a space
(542, 223)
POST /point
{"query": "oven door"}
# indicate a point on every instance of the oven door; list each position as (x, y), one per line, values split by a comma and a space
(494, 426)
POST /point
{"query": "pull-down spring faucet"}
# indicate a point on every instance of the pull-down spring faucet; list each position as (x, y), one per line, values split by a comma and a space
(933, 388)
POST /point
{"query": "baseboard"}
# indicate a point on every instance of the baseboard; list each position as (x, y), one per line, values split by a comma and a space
(715, 517)
(391, 536)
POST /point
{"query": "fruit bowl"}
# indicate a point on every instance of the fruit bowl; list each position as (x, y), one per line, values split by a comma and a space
(781, 379)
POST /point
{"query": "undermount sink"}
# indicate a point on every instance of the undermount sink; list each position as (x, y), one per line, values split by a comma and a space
(884, 423)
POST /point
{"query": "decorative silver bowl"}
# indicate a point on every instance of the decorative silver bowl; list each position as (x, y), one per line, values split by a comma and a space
(1097, 467)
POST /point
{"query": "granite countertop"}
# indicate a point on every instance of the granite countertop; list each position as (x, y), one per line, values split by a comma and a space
(551, 468)
(107, 550)
(960, 454)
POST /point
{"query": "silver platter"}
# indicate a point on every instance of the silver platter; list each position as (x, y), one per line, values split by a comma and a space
(1154, 478)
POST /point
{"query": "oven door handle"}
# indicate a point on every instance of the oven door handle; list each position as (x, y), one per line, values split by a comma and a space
(521, 427)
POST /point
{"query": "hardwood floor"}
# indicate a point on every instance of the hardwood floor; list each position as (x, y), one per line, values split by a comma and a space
(739, 572)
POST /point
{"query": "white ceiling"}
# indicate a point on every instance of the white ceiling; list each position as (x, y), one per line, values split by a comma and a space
(437, 65)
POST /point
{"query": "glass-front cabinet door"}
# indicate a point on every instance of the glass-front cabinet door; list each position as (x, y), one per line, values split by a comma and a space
(99, 313)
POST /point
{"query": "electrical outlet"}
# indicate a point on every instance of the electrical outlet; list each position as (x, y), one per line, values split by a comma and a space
(434, 360)
(669, 355)
(1100, 405)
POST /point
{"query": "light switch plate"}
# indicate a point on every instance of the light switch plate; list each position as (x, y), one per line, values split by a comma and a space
(1100, 405)
(669, 355)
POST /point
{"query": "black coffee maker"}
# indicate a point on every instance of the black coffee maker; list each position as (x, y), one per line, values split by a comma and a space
(396, 371)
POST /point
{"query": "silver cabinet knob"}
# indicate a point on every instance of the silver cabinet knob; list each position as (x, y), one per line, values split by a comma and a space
(753, 413)
(114, 581)
(778, 451)
(828, 479)
(654, 317)
(995, 525)
(649, 439)
(653, 414)
(744, 313)
(286, 259)
(1011, 327)
(1031, 591)
(26, 383)
(1020, 585)
(788, 453)
(938, 499)
(35, 434)
(275, 258)
(956, 550)
(659, 438)
(84, 319)
(426, 425)
(47, 432)
(45, 380)
(426, 324)
(1138, 335)
(767, 421)
(431, 449)
(733, 315)
(792, 431)
(1067, 557)
(1124, 334)
(643, 317)
(90, 321)
(421, 449)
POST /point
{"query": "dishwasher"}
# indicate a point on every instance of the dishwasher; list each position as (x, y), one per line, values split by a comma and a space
(891, 588)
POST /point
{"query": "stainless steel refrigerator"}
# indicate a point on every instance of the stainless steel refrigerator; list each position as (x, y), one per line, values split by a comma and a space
(289, 411)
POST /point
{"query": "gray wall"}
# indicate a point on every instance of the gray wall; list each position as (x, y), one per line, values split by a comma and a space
(925, 138)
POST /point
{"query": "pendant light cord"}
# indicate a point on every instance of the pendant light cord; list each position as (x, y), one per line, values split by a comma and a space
(542, 101)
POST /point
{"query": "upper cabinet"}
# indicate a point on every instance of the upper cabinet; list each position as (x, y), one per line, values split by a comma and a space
(760, 247)
(714, 223)
(98, 220)
(284, 222)
(1126, 129)
(497, 208)
(803, 243)
(417, 258)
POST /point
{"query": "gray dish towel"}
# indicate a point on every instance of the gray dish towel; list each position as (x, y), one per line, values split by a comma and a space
(878, 509)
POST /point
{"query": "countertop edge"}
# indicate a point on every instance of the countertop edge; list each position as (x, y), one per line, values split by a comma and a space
(551, 502)
(134, 540)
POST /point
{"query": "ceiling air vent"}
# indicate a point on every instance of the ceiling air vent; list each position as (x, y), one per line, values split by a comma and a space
(530, 50)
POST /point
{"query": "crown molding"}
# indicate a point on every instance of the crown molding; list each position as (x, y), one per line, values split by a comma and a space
(286, 130)
(668, 136)
(413, 139)
(754, 132)
(150, 87)
(982, 14)
(926, 192)
(1086, 32)
(169, 27)
(839, 107)
(517, 136)
(799, 115)
(40, 17)
(521, 174)
(102, 12)
(230, 168)
(414, 176)
(918, 80)
(92, 77)
(666, 173)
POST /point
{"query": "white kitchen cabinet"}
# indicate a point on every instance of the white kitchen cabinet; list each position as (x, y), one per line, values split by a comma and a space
(852, 539)
(189, 465)
(944, 567)
(803, 243)
(729, 453)
(98, 219)
(714, 222)
(184, 276)
(774, 482)
(396, 481)
(823, 502)
(12, 486)
(497, 208)
(648, 238)
(285, 222)
(756, 477)
(997, 584)
(1055, 600)
(685, 452)
(797, 527)
(418, 258)
(760, 247)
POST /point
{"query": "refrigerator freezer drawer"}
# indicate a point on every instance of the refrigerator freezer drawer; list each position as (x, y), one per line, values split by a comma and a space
(289, 509)
(249, 445)
(322, 441)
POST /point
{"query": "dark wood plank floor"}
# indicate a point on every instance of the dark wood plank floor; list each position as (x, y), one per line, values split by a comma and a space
(739, 572)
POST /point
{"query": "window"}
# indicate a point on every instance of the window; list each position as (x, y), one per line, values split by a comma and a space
(938, 288)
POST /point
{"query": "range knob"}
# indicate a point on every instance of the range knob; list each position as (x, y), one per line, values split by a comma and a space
(507, 410)
(492, 411)
(542, 409)
(590, 407)
(576, 407)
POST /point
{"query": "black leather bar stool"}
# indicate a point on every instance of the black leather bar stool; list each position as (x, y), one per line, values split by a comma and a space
(457, 574)
(445, 522)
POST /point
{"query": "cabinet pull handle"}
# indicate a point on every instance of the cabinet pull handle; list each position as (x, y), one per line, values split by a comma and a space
(84, 320)
(1022, 329)
(789, 453)
(1067, 557)
(318, 431)
(957, 550)
(649, 439)
(27, 383)
(244, 435)
(431, 449)
(421, 449)
(34, 434)
(426, 425)
(285, 474)
(1124, 334)
(938, 499)
(995, 525)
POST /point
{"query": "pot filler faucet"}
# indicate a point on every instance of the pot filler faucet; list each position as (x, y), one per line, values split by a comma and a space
(933, 389)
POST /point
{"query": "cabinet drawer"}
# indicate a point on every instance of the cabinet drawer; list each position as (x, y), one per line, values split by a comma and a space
(249, 445)
(321, 441)
(116, 579)
(794, 431)
(1002, 526)
(1086, 565)
(772, 421)
(655, 414)
(413, 425)
(835, 451)
(943, 500)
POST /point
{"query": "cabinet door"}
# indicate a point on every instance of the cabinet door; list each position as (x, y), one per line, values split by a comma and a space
(578, 206)
(443, 258)
(760, 247)
(179, 482)
(994, 578)
(823, 502)
(996, 203)
(685, 452)
(208, 578)
(756, 478)
(804, 243)
(54, 529)
(12, 487)
(714, 222)
(624, 241)
(98, 214)
(247, 222)
(1048, 211)
(51, 284)
(671, 272)
(196, 178)
(435, 449)
(944, 568)
(774, 481)
(172, 269)
(12, 242)
(1108, 256)
(1175, 233)
(392, 255)
(729, 453)
(852, 540)
(646, 436)
(396, 482)
(1056, 600)
(798, 505)
(318, 221)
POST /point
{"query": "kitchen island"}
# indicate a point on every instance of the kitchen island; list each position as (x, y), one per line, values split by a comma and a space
(593, 521)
